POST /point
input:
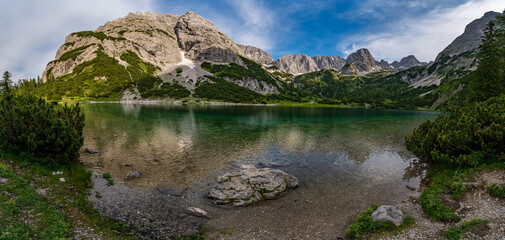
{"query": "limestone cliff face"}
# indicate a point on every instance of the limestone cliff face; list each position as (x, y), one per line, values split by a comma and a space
(301, 63)
(257, 55)
(470, 39)
(459, 56)
(297, 64)
(329, 62)
(201, 40)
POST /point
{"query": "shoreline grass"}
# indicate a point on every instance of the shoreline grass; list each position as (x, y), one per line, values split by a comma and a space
(65, 202)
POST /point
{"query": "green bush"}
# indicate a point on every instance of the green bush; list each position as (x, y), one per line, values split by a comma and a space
(433, 206)
(30, 125)
(467, 136)
(455, 233)
(497, 190)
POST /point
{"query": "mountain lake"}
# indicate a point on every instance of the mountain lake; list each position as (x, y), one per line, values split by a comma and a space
(345, 159)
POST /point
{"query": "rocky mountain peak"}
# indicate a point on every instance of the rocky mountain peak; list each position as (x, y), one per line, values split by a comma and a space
(470, 39)
(361, 56)
(360, 62)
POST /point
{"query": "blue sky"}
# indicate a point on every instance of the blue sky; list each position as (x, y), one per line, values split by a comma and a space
(33, 30)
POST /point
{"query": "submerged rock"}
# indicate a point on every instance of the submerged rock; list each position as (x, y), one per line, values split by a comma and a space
(197, 212)
(91, 151)
(386, 213)
(251, 185)
(132, 174)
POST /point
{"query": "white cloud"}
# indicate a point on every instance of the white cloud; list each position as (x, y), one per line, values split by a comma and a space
(254, 25)
(422, 35)
(32, 31)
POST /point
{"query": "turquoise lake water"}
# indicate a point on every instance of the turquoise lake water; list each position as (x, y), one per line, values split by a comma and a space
(345, 159)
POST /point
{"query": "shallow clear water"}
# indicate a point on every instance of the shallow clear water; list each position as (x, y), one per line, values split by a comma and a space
(345, 159)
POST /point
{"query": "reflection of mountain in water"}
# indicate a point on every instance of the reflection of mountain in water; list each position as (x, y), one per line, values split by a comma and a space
(183, 145)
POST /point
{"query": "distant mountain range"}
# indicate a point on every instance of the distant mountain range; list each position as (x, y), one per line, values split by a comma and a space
(301, 63)
(149, 55)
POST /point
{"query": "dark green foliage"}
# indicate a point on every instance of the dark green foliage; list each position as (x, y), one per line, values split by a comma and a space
(6, 82)
(154, 87)
(381, 89)
(490, 75)
(27, 86)
(433, 206)
(98, 35)
(135, 61)
(455, 233)
(73, 54)
(220, 89)
(364, 224)
(101, 77)
(234, 71)
(467, 136)
(496, 190)
(26, 215)
(30, 125)
(178, 71)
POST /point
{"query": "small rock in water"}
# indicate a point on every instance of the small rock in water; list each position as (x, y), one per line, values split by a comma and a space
(411, 186)
(303, 165)
(251, 185)
(4, 181)
(91, 151)
(132, 174)
(197, 212)
(62, 179)
(386, 213)
(247, 166)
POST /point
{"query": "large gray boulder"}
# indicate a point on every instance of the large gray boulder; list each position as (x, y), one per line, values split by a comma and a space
(251, 185)
(386, 213)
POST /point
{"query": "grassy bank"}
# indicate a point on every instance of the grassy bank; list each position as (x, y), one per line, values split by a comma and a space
(38, 202)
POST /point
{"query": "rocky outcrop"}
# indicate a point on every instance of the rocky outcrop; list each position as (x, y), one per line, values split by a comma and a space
(326, 62)
(386, 213)
(301, 63)
(297, 64)
(202, 41)
(257, 55)
(251, 185)
(360, 62)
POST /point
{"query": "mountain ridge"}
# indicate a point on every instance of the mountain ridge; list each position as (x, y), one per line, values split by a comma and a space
(149, 55)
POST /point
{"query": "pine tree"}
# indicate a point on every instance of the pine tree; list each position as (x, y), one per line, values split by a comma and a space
(490, 72)
(6, 82)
